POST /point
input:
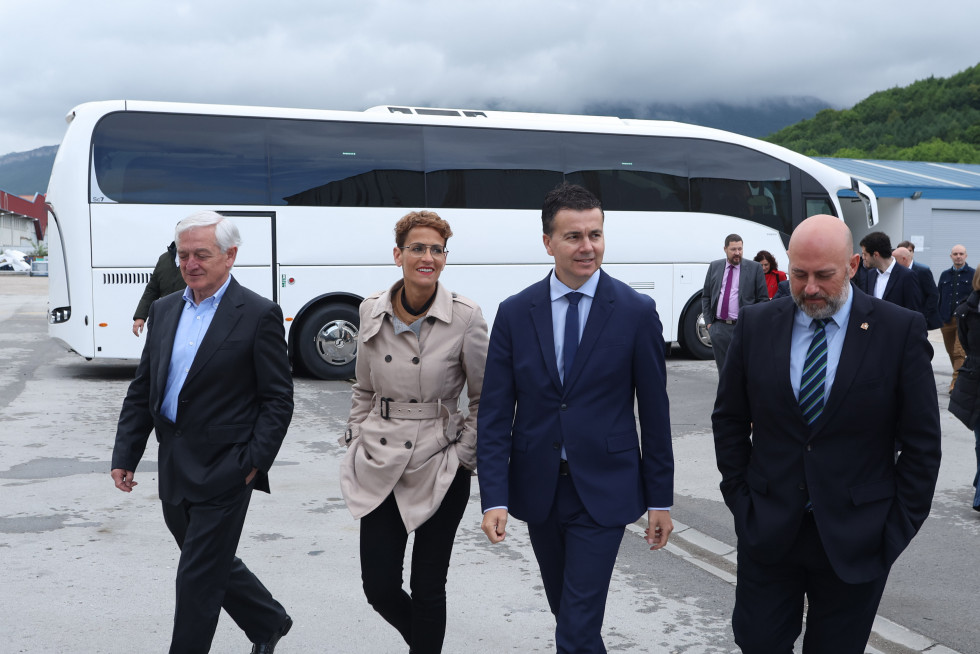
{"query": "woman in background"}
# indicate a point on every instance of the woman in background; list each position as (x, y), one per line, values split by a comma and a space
(772, 272)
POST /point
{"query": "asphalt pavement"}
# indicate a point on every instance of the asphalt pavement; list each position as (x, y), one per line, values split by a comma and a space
(87, 568)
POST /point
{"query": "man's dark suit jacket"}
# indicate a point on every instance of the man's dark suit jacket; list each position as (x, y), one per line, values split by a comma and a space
(233, 409)
(902, 287)
(930, 295)
(866, 505)
(751, 287)
(527, 414)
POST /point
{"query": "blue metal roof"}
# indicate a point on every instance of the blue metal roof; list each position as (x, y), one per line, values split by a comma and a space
(896, 179)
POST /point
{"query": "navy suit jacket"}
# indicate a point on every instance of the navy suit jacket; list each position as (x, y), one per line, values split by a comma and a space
(867, 505)
(930, 295)
(902, 287)
(233, 409)
(527, 414)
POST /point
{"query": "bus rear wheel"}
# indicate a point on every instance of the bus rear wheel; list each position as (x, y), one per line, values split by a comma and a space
(694, 333)
(328, 341)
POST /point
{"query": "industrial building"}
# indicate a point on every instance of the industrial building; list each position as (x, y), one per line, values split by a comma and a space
(23, 222)
(934, 205)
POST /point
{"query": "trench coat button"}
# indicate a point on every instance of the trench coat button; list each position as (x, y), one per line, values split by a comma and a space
(384, 441)
(809, 447)
(387, 358)
(802, 486)
(415, 360)
(564, 407)
(408, 445)
(413, 401)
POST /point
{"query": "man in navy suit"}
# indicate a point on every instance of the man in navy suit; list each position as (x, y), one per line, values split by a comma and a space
(886, 279)
(214, 383)
(904, 254)
(809, 408)
(557, 446)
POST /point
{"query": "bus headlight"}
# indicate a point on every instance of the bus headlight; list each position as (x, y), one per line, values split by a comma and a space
(59, 315)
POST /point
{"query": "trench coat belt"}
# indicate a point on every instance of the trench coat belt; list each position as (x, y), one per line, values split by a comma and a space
(413, 410)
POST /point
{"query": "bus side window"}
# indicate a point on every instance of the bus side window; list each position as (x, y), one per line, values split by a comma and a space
(816, 206)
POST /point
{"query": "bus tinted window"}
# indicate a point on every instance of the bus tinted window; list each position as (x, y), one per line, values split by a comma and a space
(629, 173)
(736, 181)
(346, 164)
(180, 159)
(194, 159)
(490, 168)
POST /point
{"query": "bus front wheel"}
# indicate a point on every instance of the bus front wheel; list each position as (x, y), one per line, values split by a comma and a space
(696, 340)
(328, 341)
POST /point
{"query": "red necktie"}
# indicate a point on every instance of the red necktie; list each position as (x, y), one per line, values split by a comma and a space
(724, 298)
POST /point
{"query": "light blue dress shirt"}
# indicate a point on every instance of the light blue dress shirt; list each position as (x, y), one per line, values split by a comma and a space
(803, 334)
(559, 307)
(193, 325)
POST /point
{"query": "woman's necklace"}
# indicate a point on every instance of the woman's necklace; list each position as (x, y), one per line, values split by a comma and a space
(416, 312)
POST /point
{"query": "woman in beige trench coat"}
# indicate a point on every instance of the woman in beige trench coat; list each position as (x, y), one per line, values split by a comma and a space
(411, 452)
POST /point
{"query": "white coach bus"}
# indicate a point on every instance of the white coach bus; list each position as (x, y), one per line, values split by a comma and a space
(317, 193)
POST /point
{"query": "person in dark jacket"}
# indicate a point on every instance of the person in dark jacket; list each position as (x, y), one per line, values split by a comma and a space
(954, 287)
(166, 279)
(905, 255)
(967, 390)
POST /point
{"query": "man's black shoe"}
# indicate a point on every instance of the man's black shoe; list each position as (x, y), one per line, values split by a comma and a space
(270, 647)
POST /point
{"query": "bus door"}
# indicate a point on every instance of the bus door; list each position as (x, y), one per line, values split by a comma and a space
(255, 263)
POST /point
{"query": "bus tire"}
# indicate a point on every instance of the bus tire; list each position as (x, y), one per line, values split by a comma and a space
(694, 335)
(327, 345)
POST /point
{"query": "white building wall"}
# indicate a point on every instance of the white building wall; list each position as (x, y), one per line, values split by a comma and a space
(935, 226)
(16, 232)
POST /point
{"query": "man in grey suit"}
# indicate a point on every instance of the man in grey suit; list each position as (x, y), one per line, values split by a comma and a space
(730, 284)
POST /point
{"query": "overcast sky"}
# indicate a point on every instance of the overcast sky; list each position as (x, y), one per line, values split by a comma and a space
(549, 54)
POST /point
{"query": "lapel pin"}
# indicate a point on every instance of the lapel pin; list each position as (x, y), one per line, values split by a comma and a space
(864, 326)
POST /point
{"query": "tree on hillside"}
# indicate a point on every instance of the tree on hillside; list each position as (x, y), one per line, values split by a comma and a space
(935, 119)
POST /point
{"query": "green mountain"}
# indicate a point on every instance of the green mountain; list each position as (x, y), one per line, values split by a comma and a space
(935, 119)
(27, 173)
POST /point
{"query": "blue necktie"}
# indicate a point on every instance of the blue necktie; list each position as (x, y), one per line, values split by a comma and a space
(814, 373)
(570, 346)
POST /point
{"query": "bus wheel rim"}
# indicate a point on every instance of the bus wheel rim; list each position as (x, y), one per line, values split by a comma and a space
(336, 342)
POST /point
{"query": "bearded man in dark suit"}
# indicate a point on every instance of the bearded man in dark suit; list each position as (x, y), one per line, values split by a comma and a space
(214, 382)
(822, 505)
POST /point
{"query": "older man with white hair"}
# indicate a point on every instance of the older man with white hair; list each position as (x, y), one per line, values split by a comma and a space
(214, 382)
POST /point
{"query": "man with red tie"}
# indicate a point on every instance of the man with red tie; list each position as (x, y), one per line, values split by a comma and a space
(730, 284)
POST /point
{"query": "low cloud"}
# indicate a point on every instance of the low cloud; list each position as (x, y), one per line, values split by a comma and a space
(550, 55)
